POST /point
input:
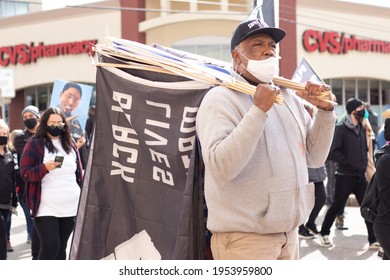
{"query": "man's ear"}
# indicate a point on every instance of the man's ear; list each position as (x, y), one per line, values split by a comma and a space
(236, 56)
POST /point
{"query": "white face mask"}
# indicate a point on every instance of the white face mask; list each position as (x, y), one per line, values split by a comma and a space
(263, 70)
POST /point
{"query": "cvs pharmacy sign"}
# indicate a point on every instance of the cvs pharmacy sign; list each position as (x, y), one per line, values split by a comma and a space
(340, 43)
(30, 53)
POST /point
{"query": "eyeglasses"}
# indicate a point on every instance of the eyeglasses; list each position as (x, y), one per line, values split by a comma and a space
(59, 125)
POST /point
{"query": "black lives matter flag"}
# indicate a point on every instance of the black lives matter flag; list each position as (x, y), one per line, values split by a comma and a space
(143, 167)
(305, 72)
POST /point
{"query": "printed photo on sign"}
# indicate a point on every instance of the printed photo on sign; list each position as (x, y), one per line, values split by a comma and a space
(73, 100)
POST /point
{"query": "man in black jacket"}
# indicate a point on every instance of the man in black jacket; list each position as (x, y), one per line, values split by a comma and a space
(349, 151)
(30, 116)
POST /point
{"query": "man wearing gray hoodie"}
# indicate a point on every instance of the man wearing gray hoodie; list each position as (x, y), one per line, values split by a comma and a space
(256, 153)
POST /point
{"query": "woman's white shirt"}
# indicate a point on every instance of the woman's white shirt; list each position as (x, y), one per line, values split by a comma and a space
(60, 191)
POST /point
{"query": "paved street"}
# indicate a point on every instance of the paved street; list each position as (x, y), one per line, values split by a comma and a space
(349, 244)
(22, 250)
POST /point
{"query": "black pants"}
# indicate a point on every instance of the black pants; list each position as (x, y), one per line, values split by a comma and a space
(53, 235)
(330, 166)
(382, 233)
(35, 244)
(3, 236)
(319, 201)
(345, 185)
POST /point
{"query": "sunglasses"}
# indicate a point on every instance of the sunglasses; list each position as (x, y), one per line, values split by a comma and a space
(59, 125)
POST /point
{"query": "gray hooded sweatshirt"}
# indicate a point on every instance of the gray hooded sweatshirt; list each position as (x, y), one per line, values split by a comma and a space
(256, 163)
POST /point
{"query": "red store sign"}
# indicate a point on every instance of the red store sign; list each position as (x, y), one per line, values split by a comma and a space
(25, 54)
(340, 43)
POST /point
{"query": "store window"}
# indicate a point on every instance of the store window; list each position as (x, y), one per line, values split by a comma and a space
(337, 88)
(349, 88)
(44, 93)
(362, 89)
(9, 9)
(386, 94)
(210, 46)
(374, 92)
(30, 96)
(38, 96)
(368, 90)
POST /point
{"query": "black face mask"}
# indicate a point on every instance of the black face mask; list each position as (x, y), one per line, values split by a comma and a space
(3, 140)
(361, 113)
(54, 131)
(30, 123)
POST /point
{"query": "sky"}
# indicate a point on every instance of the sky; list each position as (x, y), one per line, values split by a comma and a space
(55, 4)
(380, 3)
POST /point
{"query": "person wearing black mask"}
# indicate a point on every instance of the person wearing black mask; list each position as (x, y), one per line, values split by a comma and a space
(7, 186)
(52, 169)
(30, 116)
(349, 151)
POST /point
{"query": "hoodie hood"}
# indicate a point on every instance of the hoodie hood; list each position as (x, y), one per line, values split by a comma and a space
(349, 123)
(385, 149)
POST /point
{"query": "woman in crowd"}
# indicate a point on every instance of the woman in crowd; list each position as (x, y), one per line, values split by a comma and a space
(7, 186)
(51, 168)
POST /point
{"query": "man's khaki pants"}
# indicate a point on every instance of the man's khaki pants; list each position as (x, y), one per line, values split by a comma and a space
(253, 246)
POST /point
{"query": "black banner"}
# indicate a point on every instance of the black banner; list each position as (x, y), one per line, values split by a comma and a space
(143, 171)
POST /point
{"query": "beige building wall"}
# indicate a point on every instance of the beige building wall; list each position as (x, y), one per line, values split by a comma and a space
(169, 32)
(55, 27)
(217, 19)
(78, 24)
(365, 22)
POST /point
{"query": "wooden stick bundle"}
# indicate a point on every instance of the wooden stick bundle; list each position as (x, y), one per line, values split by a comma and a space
(134, 55)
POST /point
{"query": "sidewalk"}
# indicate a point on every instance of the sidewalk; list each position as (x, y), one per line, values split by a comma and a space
(349, 244)
(22, 250)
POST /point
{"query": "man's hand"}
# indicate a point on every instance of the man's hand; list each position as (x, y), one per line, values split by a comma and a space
(265, 95)
(80, 142)
(313, 90)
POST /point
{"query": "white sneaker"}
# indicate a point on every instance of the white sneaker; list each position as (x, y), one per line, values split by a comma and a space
(324, 241)
(374, 245)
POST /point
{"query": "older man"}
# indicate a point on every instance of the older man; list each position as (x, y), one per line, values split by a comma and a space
(256, 153)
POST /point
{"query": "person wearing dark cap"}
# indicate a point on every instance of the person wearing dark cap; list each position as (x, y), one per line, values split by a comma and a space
(382, 220)
(30, 116)
(349, 151)
(256, 153)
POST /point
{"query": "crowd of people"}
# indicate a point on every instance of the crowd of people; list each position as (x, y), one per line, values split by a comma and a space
(265, 163)
(351, 164)
(41, 171)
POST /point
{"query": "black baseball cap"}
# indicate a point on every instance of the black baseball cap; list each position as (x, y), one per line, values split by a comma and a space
(253, 27)
(353, 104)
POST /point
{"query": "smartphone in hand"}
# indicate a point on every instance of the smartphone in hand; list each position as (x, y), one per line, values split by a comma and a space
(59, 159)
